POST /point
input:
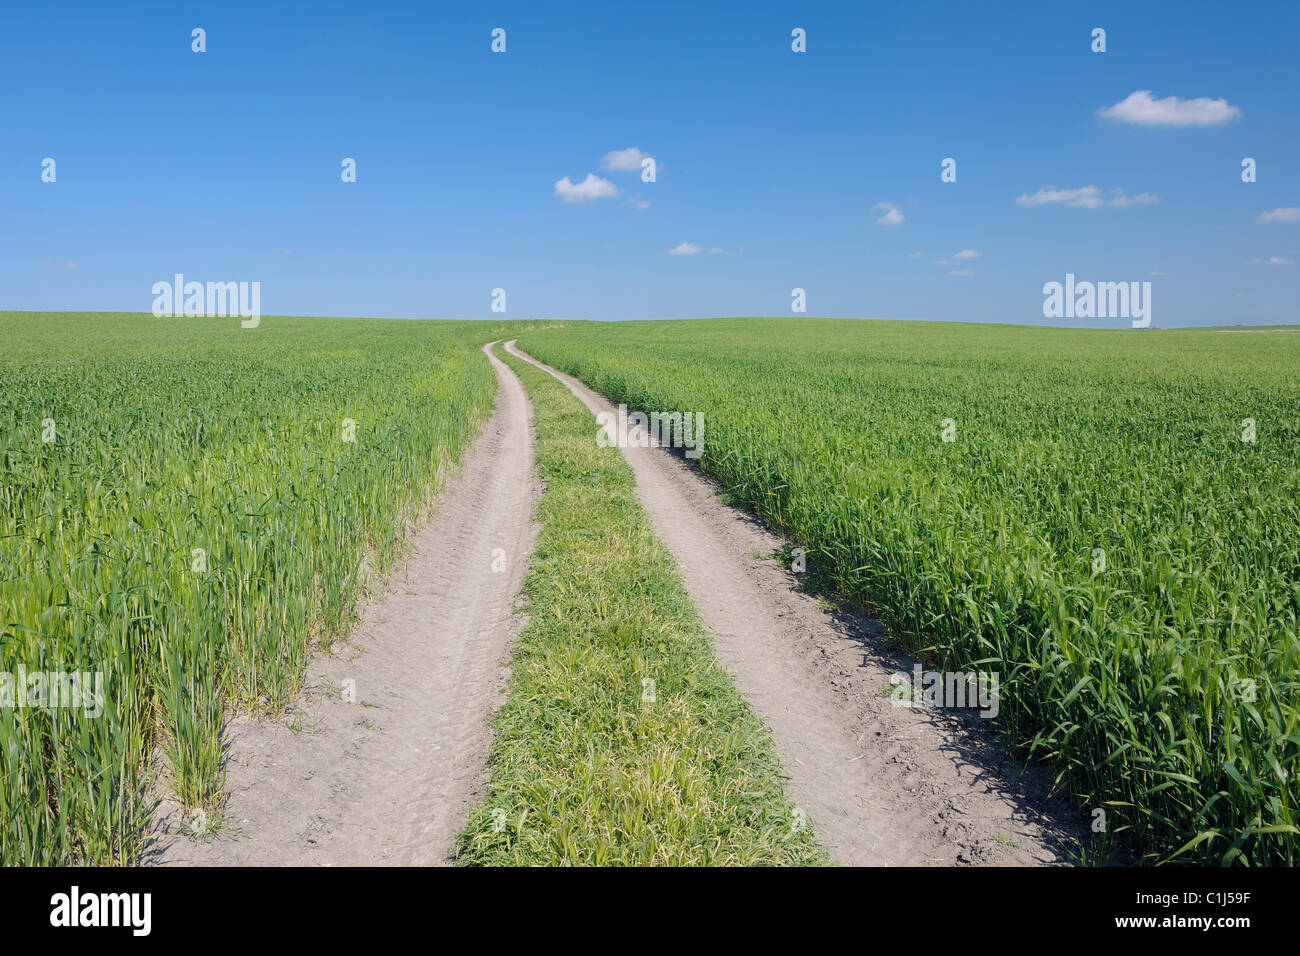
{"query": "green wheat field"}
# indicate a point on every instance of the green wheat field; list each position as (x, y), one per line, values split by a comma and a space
(1114, 527)
(1108, 519)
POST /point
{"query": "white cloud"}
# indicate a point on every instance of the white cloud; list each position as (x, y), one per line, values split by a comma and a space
(916, 255)
(1085, 197)
(639, 203)
(1119, 199)
(892, 216)
(1143, 109)
(963, 256)
(716, 251)
(685, 249)
(1270, 261)
(624, 160)
(1285, 214)
(589, 190)
(1157, 272)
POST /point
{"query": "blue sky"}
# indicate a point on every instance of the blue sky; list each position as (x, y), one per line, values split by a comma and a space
(225, 165)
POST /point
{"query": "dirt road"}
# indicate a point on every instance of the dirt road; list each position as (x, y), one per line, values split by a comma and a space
(388, 778)
(883, 784)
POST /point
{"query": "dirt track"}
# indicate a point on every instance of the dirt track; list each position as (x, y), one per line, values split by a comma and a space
(882, 784)
(387, 779)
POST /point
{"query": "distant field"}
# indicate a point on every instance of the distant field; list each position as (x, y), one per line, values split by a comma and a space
(182, 510)
(1114, 527)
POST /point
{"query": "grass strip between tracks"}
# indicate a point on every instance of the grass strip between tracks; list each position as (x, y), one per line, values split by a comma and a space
(622, 741)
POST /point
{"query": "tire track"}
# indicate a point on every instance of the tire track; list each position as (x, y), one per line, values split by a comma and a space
(387, 779)
(882, 784)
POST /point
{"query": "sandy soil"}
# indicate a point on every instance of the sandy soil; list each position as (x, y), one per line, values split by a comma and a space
(881, 783)
(388, 778)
